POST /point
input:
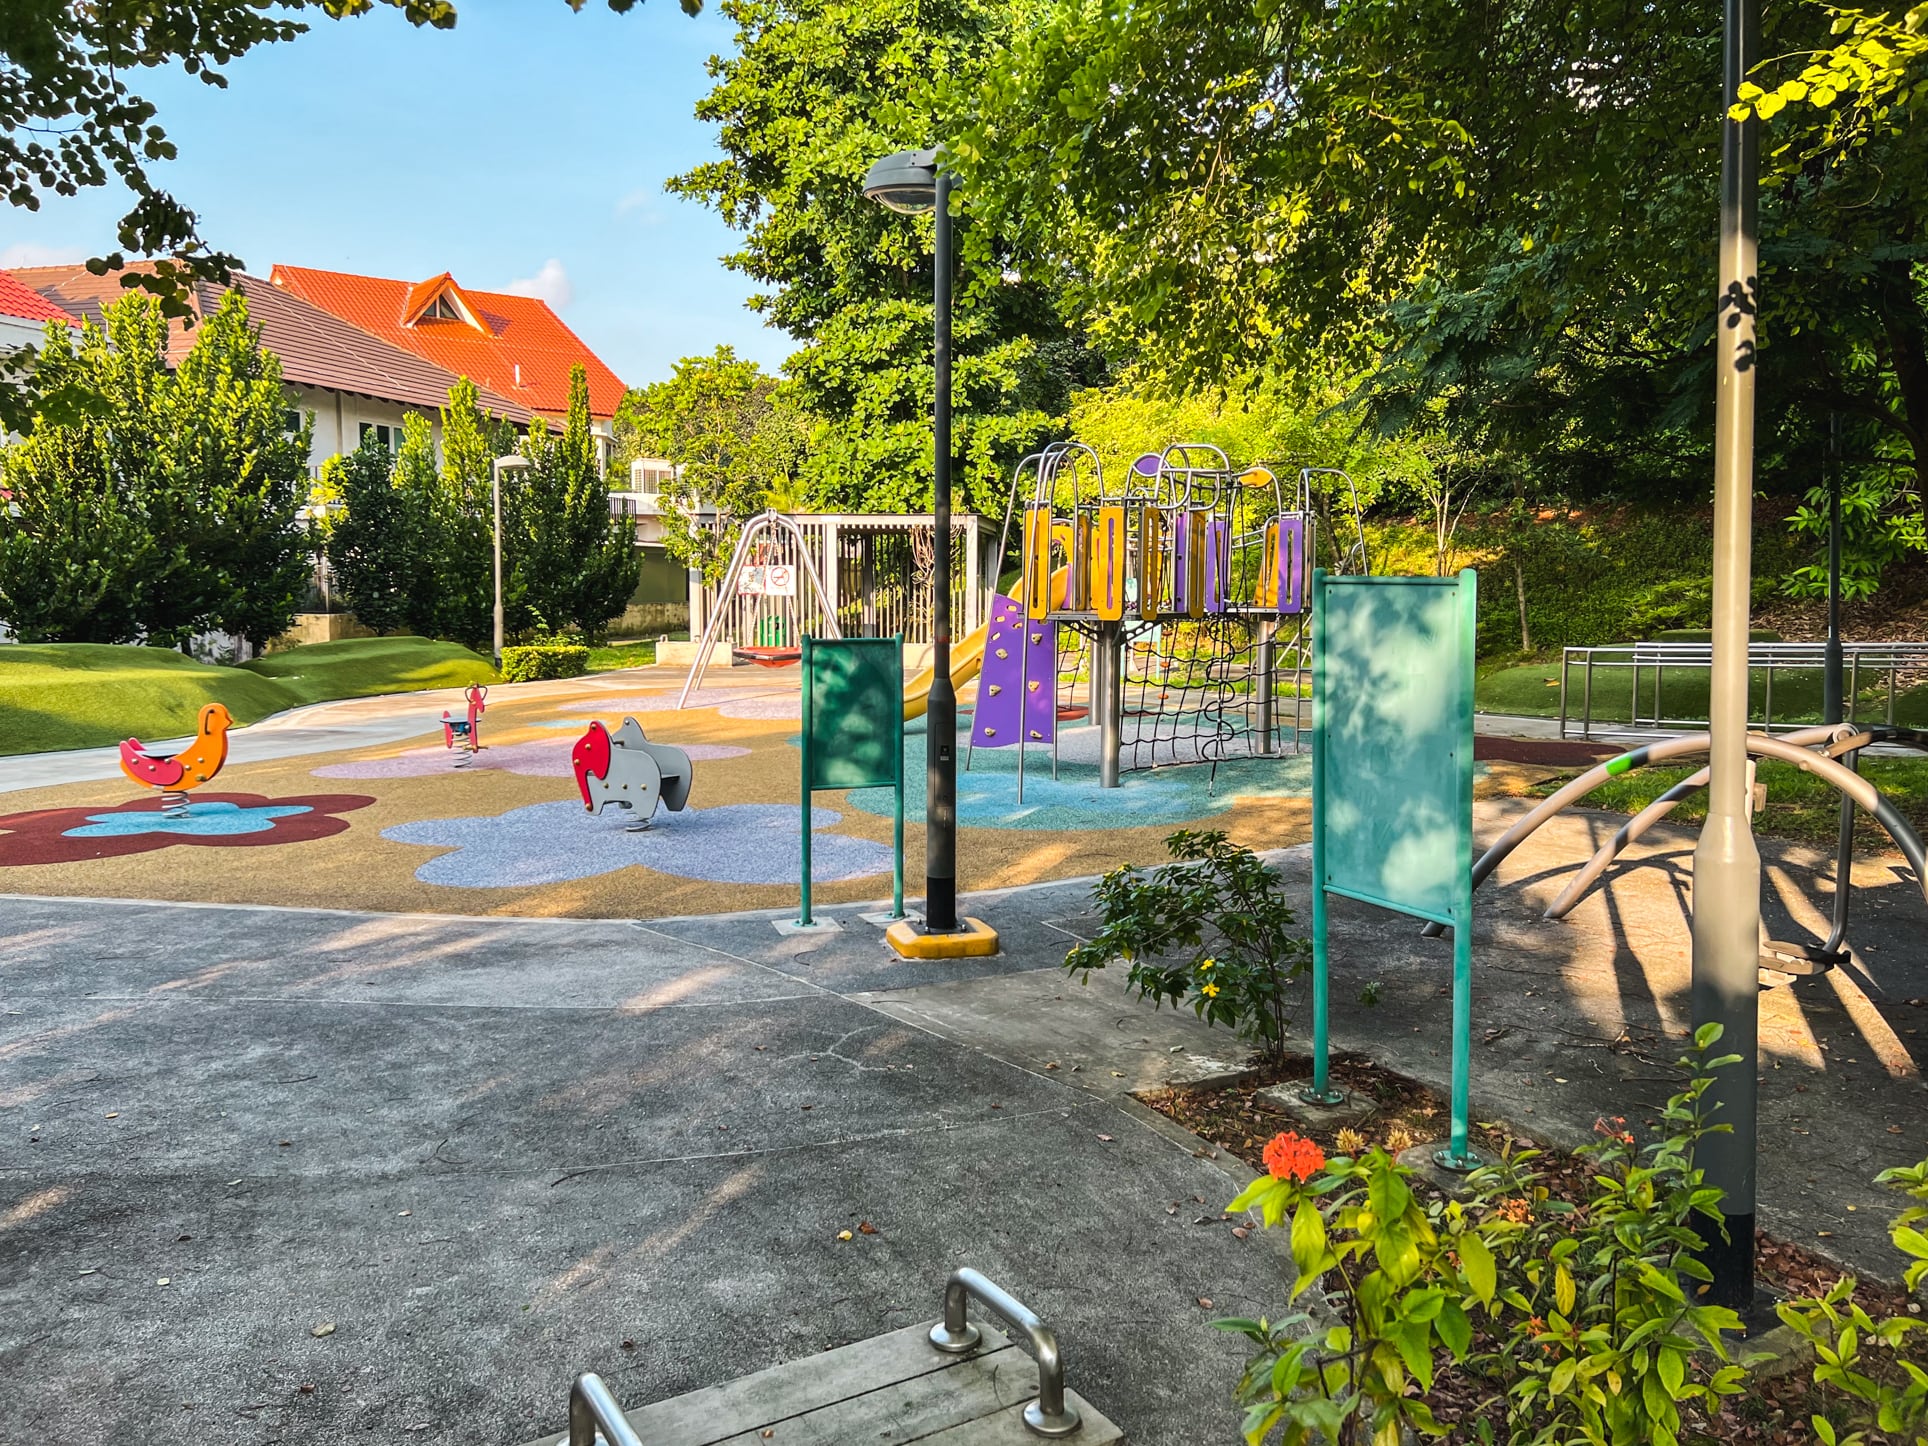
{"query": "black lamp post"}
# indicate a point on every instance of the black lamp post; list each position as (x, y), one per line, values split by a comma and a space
(911, 182)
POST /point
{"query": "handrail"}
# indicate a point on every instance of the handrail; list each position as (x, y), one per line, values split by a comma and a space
(593, 1410)
(1049, 1415)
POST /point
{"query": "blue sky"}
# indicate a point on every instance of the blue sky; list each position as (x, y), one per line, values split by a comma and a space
(528, 145)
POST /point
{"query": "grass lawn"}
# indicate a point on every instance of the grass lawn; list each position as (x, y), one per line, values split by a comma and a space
(1533, 689)
(87, 695)
(611, 656)
(1799, 805)
(359, 667)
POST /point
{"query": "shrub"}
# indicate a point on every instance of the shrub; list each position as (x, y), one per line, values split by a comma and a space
(1575, 1321)
(1210, 929)
(532, 662)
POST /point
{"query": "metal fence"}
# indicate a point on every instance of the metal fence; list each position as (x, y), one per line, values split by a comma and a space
(1883, 668)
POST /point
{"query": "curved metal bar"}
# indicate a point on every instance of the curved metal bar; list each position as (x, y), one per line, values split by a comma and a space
(1049, 1415)
(1626, 834)
(593, 1409)
(1656, 752)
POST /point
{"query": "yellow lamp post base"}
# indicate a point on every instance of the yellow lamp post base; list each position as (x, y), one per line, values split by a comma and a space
(974, 940)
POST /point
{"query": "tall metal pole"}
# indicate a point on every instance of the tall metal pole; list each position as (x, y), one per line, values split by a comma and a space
(1727, 866)
(1831, 709)
(495, 492)
(940, 716)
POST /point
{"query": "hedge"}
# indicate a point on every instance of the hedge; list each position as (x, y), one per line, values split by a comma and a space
(533, 662)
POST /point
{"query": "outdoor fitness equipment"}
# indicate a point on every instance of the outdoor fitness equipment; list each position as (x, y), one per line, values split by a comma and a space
(627, 770)
(853, 737)
(463, 736)
(1818, 750)
(175, 773)
(1392, 782)
(1185, 538)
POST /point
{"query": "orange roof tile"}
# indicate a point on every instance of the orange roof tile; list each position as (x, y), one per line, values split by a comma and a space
(525, 354)
(316, 347)
(19, 299)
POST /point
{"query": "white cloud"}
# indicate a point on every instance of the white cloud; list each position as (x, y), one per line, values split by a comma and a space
(550, 283)
(28, 253)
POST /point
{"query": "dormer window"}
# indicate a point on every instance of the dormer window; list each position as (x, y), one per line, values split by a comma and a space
(441, 309)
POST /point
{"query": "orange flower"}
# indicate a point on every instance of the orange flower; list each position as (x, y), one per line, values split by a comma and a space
(1290, 1156)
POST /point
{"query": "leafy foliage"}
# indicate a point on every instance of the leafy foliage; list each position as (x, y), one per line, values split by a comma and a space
(736, 438)
(1211, 929)
(574, 565)
(375, 546)
(533, 662)
(813, 92)
(169, 507)
(1577, 1319)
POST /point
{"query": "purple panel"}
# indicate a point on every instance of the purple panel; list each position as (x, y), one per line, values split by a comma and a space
(1216, 555)
(1148, 465)
(1181, 555)
(1292, 563)
(998, 718)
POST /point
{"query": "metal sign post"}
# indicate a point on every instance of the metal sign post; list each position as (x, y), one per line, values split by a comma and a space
(1392, 782)
(853, 736)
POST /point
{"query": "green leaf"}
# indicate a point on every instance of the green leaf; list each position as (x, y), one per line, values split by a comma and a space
(1476, 1263)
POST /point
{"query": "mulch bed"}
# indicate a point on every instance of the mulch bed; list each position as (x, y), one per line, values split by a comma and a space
(1772, 1412)
(1550, 752)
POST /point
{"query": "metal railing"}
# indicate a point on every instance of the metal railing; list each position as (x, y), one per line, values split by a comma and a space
(1649, 663)
(1049, 1415)
(595, 1418)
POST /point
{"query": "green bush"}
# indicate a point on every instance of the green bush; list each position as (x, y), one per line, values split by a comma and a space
(533, 662)
(1210, 929)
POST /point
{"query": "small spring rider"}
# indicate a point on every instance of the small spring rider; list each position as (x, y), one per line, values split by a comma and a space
(463, 736)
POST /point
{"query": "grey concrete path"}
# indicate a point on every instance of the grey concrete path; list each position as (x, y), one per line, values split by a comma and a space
(293, 1176)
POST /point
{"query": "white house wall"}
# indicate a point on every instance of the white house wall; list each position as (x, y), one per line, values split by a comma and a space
(339, 417)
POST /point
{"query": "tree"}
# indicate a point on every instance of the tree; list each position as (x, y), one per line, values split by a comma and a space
(372, 547)
(471, 441)
(240, 473)
(575, 565)
(76, 549)
(736, 438)
(1504, 210)
(814, 91)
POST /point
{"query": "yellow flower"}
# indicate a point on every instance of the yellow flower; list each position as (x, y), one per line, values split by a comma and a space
(1206, 964)
(1210, 991)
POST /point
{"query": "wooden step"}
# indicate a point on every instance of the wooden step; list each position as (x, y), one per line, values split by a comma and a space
(886, 1391)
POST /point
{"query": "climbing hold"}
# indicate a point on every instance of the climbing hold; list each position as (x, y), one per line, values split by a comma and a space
(990, 732)
(1037, 637)
(1034, 685)
(1002, 654)
(996, 688)
(1037, 735)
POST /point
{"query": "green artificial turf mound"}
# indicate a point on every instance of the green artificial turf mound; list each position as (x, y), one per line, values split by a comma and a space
(88, 695)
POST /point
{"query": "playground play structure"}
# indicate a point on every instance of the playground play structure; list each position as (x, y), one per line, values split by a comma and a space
(463, 736)
(626, 770)
(175, 773)
(1187, 580)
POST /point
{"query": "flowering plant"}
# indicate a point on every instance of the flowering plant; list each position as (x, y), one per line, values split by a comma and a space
(1210, 929)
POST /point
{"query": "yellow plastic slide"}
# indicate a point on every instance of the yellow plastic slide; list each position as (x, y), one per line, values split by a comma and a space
(967, 656)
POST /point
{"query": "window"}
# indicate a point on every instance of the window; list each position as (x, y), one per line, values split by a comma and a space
(389, 437)
(443, 310)
(291, 421)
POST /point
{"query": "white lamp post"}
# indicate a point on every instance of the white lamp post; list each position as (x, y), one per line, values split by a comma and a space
(514, 462)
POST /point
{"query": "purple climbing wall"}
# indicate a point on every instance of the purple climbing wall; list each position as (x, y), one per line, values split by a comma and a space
(1008, 711)
(1292, 563)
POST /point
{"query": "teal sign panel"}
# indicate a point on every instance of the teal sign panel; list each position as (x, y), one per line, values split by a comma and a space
(853, 711)
(1392, 780)
(853, 733)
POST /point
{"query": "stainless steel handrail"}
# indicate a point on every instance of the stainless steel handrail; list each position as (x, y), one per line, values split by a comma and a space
(594, 1415)
(1049, 1415)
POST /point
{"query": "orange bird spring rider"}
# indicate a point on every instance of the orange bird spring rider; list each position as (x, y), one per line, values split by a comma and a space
(175, 773)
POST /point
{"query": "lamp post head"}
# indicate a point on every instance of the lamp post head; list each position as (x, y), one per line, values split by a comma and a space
(905, 182)
(511, 463)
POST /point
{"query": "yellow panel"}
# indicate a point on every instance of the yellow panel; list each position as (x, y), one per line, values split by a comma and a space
(1107, 569)
(1037, 561)
(1078, 589)
(1268, 593)
(1151, 564)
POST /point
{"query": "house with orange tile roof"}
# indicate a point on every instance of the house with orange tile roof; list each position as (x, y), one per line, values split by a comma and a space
(513, 346)
(350, 382)
(24, 314)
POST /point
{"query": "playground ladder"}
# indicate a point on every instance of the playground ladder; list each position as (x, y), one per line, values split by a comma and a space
(948, 1380)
